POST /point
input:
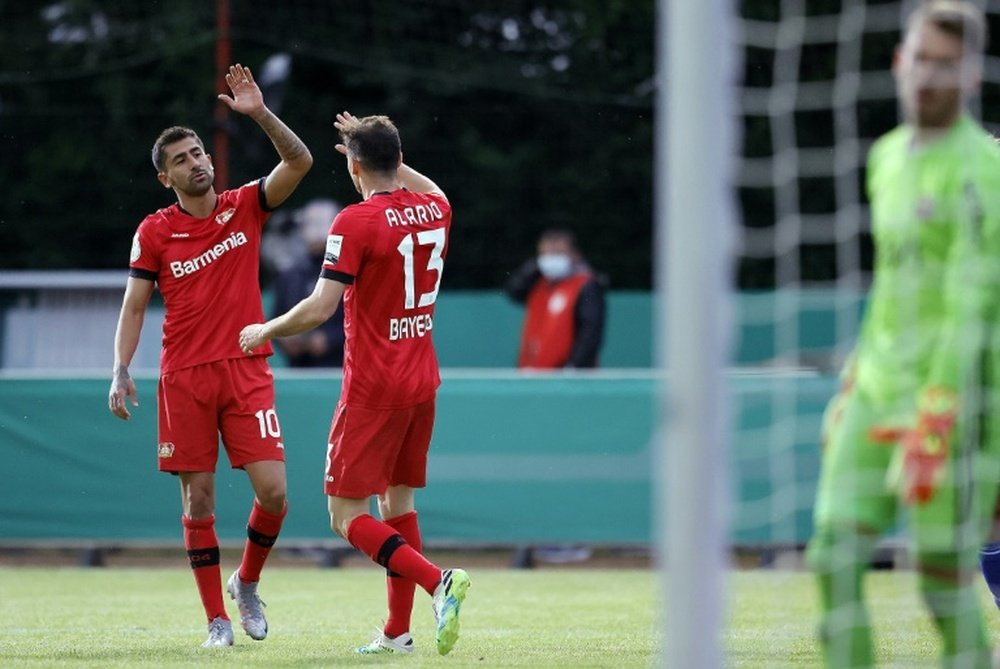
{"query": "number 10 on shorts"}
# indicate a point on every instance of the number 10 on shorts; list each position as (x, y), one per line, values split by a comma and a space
(267, 420)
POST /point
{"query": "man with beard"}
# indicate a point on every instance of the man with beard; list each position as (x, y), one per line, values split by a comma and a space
(915, 427)
(203, 253)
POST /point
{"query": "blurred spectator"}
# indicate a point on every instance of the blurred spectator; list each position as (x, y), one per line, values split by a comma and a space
(564, 305)
(324, 346)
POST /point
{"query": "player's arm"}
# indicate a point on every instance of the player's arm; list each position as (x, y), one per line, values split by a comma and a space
(520, 282)
(955, 385)
(130, 319)
(413, 180)
(295, 157)
(313, 310)
(972, 289)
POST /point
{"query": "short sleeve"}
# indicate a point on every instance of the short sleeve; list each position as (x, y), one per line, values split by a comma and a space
(144, 258)
(251, 195)
(346, 246)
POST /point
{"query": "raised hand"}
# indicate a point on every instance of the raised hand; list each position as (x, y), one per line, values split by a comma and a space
(247, 97)
(345, 121)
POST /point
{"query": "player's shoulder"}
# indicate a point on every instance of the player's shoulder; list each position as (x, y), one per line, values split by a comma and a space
(987, 173)
(249, 188)
(895, 140)
(251, 192)
(160, 218)
(435, 203)
(977, 149)
(358, 217)
(407, 195)
(438, 198)
(988, 146)
(362, 211)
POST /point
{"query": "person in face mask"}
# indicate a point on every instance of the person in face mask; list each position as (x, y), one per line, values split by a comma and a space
(564, 306)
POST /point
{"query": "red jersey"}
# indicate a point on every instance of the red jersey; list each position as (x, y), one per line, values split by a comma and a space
(549, 322)
(390, 250)
(207, 271)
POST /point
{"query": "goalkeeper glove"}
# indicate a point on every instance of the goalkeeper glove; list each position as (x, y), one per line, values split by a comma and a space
(923, 450)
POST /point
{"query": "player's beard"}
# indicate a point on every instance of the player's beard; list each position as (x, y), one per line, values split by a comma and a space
(197, 188)
(934, 108)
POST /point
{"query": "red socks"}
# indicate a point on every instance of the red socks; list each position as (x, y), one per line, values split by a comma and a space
(385, 546)
(398, 589)
(262, 532)
(202, 546)
(203, 553)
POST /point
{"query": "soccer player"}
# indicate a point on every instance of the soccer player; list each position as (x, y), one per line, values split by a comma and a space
(203, 253)
(916, 424)
(385, 256)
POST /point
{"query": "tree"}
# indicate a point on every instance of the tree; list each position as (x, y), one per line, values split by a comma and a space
(530, 114)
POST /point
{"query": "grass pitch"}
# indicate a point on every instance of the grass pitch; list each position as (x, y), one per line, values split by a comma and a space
(128, 617)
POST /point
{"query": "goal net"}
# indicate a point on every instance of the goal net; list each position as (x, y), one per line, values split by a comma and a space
(814, 91)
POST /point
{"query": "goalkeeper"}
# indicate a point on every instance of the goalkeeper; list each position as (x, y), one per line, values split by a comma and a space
(917, 420)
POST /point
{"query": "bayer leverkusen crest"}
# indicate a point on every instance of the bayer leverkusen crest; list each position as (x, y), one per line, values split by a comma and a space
(224, 217)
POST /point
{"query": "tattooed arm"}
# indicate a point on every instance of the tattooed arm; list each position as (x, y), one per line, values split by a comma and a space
(295, 157)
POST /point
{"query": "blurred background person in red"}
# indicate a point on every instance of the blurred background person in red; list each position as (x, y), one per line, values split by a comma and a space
(564, 303)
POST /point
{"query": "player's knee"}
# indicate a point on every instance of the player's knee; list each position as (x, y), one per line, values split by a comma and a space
(343, 511)
(936, 568)
(832, 547)
(273, 498)
(339, 525)
(395, 502)
(819, 550)
(198, 501)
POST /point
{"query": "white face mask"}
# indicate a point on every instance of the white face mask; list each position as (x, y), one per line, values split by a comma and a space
(555, 266)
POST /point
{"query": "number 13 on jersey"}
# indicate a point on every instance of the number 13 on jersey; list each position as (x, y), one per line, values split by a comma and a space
(434, 264)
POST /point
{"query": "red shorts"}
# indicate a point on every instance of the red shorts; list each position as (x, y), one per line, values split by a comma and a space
(372, 449)
(233, 398)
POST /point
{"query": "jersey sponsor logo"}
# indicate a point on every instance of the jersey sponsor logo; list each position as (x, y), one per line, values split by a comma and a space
(409, 327)
(165, 450)
(415, 215)
(136, 249)
(224, 217)
(182, 268)
(333, 244)
(179, 235)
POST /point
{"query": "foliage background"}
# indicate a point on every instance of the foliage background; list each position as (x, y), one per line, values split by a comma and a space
(530, 113)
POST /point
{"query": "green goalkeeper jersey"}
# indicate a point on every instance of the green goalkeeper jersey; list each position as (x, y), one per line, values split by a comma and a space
(931, 209)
